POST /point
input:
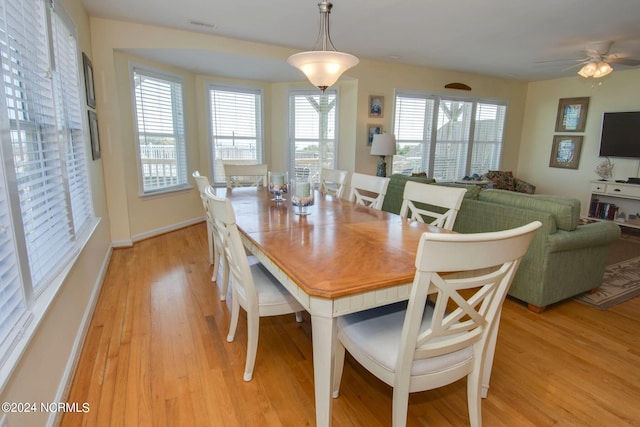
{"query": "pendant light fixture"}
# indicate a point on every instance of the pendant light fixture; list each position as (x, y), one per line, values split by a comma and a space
(595, 69)
(323, 66)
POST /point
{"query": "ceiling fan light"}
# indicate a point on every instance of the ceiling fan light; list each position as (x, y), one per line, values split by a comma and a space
(602, 70)
(588, 70)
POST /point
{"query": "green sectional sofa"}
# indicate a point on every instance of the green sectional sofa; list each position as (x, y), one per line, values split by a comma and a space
(565, 258)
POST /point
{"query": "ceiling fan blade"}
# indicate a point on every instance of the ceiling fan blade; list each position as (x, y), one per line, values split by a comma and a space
(550, 61)
(624, 61)
(573, 66)
(591, 53)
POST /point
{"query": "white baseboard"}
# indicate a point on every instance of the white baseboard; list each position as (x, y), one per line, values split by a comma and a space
(65, 383)
(163, 230)
(122, 243)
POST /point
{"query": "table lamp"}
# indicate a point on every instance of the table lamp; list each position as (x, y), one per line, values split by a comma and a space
(383, 145)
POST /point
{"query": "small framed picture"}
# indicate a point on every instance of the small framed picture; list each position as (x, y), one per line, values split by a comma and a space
(88, 81)
(572, 114)
(95, 136)
(376, 106)
(565, 152)
(372, 130)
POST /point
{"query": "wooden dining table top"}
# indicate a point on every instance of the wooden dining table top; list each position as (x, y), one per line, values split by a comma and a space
(339, 249)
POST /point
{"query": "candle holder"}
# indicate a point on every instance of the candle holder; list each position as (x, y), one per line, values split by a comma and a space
(301, 195)
(278, 185)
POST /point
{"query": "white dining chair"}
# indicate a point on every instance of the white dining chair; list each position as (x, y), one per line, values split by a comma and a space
(253, 288)
(368, 190)
(419, 345)
(213, 239)
(437, 204)
(245, 175)
(332, 181)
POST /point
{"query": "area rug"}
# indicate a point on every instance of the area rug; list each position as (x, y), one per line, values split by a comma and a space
(621, 282)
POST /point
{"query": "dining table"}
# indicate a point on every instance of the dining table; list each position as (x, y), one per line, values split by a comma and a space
(338, 259)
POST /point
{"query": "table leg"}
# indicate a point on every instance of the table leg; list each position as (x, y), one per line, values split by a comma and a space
(324, 333)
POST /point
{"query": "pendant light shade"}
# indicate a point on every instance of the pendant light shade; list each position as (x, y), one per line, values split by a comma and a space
(324, 65)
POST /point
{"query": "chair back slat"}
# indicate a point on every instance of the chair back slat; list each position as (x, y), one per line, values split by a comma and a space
(368, 190)
(245, 175)
(332, 181)
(435, 204)
(467, 302)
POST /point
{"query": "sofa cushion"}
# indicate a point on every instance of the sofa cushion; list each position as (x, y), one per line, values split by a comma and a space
(565, 210)
(524, 187)
(472, 190)
(393, 199)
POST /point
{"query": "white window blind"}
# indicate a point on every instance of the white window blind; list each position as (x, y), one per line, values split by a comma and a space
(159, 116)
(45, 198)
(37, 152)
(312, 132)
(13, 309)
(447, 137)
(70, 119)
(236, 126)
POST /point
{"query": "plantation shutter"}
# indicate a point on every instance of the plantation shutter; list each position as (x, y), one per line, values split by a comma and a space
(160, 131)
(236, 127)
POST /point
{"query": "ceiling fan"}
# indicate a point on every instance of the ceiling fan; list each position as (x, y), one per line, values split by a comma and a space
(598, 61)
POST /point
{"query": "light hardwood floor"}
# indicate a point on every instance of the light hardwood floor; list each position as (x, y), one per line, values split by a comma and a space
(156, 355)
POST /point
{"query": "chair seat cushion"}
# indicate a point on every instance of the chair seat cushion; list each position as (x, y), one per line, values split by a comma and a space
(270, 290)
(377, 333)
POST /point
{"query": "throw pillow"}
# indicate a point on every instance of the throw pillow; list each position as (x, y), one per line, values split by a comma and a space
(502, 180)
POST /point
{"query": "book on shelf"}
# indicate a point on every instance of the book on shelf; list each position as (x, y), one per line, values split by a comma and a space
(603, 210)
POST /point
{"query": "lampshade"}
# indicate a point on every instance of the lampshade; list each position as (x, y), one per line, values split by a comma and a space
(595, 69)
(324, 65)
(384, 144)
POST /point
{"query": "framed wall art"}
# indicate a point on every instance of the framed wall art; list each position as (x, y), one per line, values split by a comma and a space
(372, 130)
(376, 106)
(565, 151)
(95, 136)
(572, 114)
(88, 81)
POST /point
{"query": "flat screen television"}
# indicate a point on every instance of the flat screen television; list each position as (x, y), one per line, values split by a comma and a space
(620, 134)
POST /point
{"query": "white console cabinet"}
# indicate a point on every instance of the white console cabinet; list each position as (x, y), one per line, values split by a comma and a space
(614, 201)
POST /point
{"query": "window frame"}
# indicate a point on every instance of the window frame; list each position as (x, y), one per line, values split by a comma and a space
(291, 137)
(182, 158)
(217, 176)
(430, 141)
(69, 118)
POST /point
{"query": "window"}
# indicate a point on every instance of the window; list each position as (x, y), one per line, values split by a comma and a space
(45, 199)
(236, 126)
(312, 132)
(447, 137)
(159, 118)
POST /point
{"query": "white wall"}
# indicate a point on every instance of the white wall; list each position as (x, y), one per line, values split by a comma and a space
(620, 91)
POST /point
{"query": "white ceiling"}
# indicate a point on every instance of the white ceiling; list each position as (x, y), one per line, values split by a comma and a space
(503, 38)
